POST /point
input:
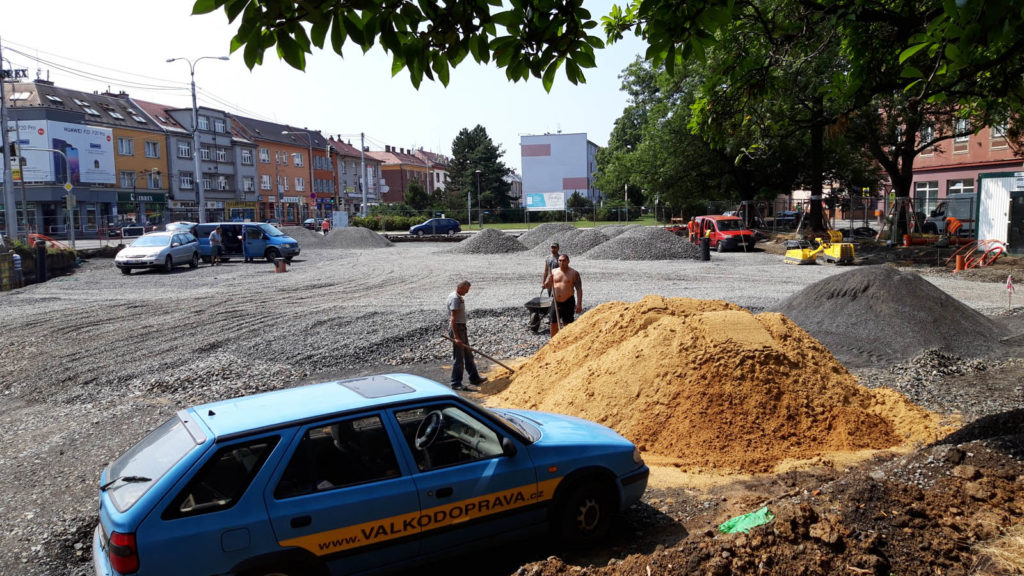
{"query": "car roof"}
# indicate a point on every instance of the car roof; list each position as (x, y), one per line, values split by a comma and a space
(314, 401)
(719, 217)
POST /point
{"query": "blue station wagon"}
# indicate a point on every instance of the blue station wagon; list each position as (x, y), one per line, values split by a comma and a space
(447, 226)
(353, 476)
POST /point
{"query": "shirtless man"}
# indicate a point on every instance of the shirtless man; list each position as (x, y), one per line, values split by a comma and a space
(563, 281)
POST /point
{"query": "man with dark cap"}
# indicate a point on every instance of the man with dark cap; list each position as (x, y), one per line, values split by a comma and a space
(550, 264)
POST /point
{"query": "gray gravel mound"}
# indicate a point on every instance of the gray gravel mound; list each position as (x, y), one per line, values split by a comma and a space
(645, 243)
(877, 314)
(302, 234)
(354, 237)
(572, 242)
(489, 241)
(540, 234)
(613, 230)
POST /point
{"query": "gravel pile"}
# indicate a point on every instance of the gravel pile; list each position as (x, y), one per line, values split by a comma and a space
(642, 243)
(354, 237)
(302, 234)
(572, 242)
(613, 230)
(877, 314)
(489, 241)
(540, 234)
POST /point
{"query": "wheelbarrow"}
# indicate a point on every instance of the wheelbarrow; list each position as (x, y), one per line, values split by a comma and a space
(538, 308)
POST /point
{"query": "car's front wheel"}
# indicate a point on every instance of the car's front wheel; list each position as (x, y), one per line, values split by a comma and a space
(583, 515)
(419, 233)
(272, 254)
(168, 264)
(720, 247)
(126, 271)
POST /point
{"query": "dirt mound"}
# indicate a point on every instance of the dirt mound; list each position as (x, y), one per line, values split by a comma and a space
(711, 385)
(540, 234)
(876, 315)
(572, 242)
(645, 243)
(489, 241)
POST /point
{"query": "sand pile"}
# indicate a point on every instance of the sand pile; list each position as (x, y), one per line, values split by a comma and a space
(711, 385)
(572, 242)
(540, 234)
(878, 315)
(489, 241)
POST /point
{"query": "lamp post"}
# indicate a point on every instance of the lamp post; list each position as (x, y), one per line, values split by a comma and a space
(141, 205)
(479, 214)
(10, 219)
(309, 140)
(197, 178)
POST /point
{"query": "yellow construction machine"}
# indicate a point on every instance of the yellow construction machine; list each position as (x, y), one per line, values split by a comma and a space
(831, 251)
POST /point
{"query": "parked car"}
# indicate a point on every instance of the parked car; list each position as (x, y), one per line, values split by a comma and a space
(183, 225)
(437, 226)
(787, 219)
(371, 473)
(248, 240)
(311, 224)
(163, 250)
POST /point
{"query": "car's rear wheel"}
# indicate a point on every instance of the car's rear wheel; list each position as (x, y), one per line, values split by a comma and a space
(126, 271)
(271, 254)
(451, 231)
(583, 515)
(194, 262)
(168, 264)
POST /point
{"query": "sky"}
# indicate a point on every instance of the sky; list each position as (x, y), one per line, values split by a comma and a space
(123, 45)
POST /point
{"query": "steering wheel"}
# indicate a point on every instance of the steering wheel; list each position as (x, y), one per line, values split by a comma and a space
(428, 429)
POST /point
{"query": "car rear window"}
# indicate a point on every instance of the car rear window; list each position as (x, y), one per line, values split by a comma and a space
(146, 462)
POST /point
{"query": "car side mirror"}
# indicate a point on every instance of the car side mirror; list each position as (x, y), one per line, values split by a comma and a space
(175, 244)
(508, 447)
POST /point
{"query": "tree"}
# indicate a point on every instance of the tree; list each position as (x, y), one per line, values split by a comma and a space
(473, 151)
(416, 197)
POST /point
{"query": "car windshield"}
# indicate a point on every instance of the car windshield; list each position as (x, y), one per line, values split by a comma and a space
(271, 230)
(151, 241)
(132, 475)
(730, 225)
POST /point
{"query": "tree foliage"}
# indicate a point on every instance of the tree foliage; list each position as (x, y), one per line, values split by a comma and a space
(476, 164)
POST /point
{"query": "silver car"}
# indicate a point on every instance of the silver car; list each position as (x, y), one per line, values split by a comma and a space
(163, 250)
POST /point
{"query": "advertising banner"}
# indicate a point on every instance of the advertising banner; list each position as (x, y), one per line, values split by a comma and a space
(89, 151)
(545, 201)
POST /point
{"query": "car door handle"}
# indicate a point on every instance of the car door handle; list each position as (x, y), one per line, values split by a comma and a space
(444, 492)
(301, 521)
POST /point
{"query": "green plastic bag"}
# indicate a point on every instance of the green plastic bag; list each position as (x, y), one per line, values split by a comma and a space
(747, 521)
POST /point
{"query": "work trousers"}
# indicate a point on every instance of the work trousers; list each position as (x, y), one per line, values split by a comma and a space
(462, 359)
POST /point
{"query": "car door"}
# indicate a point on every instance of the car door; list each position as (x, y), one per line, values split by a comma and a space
(255, 242)
(470, 489)
(343, 496)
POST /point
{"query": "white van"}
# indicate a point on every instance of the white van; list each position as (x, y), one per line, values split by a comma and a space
(963, 206)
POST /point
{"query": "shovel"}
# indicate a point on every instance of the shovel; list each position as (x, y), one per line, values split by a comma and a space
(475, 351)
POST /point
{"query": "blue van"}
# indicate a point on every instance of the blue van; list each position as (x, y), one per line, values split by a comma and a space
(247, 240)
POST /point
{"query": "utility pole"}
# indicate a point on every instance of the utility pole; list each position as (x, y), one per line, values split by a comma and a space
(10, 218)
(362, 173)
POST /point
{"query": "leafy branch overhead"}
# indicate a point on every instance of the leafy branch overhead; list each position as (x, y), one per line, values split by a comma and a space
(426, 37)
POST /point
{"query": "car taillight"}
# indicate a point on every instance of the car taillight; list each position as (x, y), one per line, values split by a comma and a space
(124, 556)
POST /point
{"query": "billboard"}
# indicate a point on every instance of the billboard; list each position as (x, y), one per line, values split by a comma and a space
(545, 201)
(89, 151)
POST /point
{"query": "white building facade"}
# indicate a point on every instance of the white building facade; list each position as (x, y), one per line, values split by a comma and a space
(559, 163)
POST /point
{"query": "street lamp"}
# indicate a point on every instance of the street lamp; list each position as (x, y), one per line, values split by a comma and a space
(197, 178)
(479, 214)
(139, 204)
(309, 140)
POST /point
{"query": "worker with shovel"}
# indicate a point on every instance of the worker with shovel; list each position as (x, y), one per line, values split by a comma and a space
(462, 354)
(563, 281)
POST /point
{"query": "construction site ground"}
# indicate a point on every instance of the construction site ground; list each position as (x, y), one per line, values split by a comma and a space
(874, 455)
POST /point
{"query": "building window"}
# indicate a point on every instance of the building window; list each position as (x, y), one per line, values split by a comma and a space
(926, 135)
(204, 153)
(298, 159)
(998, 136)
(222, 155)
(153, 180)
(80, 102)
(115, 115)
(961, 136)
(249, 185)
(204, 123)
(184, 149)
(207, 183)
(300, 184)
(219, 126)
(53, 98)
(222, 182)
(960, 186)
(127, 178)
(264, 156)
(126, 146)
(277, 156)
(246, 157)
(138, 119)
(185, 180)
(265, 182)
(91, 111)
(152, 149)
(926, 195)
